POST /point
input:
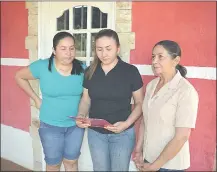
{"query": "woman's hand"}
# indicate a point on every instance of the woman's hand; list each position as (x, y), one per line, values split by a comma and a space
(118, 127)
(138, 159)
(83, 123)
(148, 167)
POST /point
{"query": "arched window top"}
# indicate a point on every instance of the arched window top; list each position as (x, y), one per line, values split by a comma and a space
(63, 21)
(79, 16)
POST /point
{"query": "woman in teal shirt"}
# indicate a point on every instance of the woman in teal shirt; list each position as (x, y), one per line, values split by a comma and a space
(61, 78)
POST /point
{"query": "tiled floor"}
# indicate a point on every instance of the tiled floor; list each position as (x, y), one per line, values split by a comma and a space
(10, 166)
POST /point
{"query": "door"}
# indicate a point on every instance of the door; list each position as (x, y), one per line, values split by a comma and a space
(83, 20)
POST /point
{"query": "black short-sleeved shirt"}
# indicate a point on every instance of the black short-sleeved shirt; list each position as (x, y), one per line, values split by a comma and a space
(111, 94)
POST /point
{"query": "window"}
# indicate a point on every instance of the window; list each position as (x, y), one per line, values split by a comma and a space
(83, 22)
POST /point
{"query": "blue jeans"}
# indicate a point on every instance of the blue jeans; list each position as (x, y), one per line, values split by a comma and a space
(111, 152)
(60, 142)
(164, 169)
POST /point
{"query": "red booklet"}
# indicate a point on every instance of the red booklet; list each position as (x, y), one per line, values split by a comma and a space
(93, 121)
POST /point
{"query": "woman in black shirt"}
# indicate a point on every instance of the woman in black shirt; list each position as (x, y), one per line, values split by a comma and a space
(109, 85)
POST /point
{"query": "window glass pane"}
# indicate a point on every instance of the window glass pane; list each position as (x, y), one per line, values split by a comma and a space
(63, 21)
(99, 19)
(92, 44)
(80, 17)
(80, 41)
(104, 20)
(95, 17)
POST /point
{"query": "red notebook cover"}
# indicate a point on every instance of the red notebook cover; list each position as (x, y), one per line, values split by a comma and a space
(93, 121)
(99, 123)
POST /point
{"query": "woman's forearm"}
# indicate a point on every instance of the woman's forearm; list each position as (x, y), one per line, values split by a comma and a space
(170, 151)
(138, 97)
(140, 141)
(84, 106)
(136, 113)
(25, 85)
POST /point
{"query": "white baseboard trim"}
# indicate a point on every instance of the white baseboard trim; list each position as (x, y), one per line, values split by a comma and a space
(16, 146)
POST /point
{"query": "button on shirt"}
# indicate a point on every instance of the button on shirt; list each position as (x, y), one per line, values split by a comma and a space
(111, 93)
(174, 105)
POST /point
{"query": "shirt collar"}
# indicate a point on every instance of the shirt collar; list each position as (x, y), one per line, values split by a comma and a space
(174, 82)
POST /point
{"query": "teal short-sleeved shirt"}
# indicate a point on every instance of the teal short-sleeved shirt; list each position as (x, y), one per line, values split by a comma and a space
(60, 94)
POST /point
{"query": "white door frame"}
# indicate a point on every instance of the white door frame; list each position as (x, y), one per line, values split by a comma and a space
(43, 29)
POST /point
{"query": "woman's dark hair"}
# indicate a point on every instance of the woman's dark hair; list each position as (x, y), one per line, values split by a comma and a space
(174, 50)
(77, 68)
(105, 32)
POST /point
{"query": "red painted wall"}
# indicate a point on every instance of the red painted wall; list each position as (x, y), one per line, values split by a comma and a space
(203, 138)
(15, 104)
(193, 26)
(14, 29)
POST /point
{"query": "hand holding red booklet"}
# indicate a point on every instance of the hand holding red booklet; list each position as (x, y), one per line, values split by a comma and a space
(99, 123)
(93, 121)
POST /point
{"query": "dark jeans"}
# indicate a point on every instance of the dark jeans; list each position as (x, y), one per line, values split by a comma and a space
(164, 169)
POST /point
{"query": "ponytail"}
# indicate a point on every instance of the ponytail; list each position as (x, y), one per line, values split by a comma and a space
(182, 70)
(50, 61)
